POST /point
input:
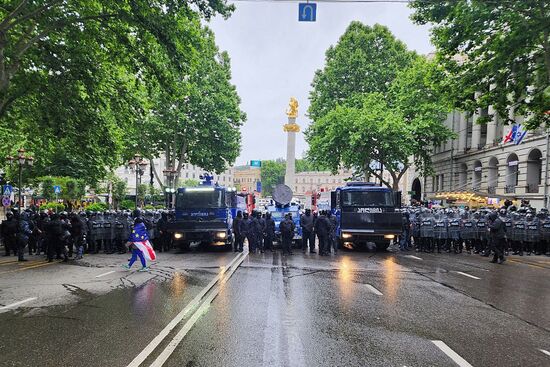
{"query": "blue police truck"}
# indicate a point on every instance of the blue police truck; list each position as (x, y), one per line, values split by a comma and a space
(366, 213)
(204, 215)
(282, 205)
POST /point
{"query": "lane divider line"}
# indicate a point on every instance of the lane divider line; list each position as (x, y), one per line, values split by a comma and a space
(451, 354)
(413, 257)
(468, 275)
(30, 267)
(545, 352)
(17, 303)
(176, 320)
(102, 275)
(374, 290)
(167, 352)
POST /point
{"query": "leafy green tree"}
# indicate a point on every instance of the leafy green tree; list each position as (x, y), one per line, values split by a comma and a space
(76, 75)
(120, 187)
(188, 182)
(500, 49)
(201, 123)
(272, 174)
(394, 129)
(47, 190)
(141, 193)
(365, 60)
(305, 165)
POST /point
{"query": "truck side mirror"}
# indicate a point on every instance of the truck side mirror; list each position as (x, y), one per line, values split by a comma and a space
(333, 200)
(397, 199)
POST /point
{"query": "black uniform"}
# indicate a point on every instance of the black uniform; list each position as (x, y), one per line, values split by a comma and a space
(269, 232)
(238, 232)
(322, 229)
(496, 237)
(307, 222)
(9, 231)
(287, 234)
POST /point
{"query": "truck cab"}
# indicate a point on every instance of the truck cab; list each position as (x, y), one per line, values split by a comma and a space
(204, 214)
(366, 213)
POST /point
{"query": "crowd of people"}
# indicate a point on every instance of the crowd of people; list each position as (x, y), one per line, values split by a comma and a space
(483, 231)
(259, 231)
(64, 235)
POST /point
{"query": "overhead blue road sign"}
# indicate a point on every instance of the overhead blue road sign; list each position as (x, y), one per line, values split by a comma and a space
(57, 189)
(255, 163)
(307, 12)
(8, 189)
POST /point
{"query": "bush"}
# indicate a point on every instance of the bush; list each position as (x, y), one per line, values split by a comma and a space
(97, 207)
(127, 204)
(59, 207)
(149, 207)
(160, 206)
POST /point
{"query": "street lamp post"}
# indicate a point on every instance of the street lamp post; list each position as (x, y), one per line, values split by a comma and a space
(21, 159)
(138, 165)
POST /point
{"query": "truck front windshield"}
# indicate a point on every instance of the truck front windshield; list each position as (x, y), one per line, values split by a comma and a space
(367, 198)
(200, 199)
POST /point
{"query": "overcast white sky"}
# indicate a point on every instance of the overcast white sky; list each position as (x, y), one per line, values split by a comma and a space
(274, 57)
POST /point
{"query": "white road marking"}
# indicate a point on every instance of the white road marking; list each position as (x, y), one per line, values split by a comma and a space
(413, 257)
(176, 320)
(102, 275)
(17, 303)
(451, 353)
(468, 275)
(374, 290)
(167, 352)
(545, 352)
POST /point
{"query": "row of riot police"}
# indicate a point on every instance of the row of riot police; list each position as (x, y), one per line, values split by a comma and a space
(455, 230)
(257, 228)
(60, 235)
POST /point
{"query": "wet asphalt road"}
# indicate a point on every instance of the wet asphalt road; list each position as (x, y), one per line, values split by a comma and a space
(353, 309)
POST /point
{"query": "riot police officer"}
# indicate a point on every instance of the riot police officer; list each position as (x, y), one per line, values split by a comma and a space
(426, 231)
(322, 229)
(496, 227)
(308, 236)
(238, 232)
(532, 231)
(287, 227)
(269, 232)
(454, 229)
(23, 233)
(9, 233)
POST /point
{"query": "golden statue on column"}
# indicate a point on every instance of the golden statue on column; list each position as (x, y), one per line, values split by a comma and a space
(292, 114)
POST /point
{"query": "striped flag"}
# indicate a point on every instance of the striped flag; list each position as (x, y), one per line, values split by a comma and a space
(140, 238)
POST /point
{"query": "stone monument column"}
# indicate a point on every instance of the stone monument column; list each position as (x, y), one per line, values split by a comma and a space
(291, 128)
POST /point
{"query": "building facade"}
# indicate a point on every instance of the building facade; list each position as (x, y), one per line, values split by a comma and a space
(246, 178)
(188, 172)
(479, 161)
(307, 182)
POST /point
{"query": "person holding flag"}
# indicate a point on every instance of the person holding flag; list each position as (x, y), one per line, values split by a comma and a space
(139, 243)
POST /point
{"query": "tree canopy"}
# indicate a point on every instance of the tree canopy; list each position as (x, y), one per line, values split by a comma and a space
(500, 49)
(393, 121)
(80, 79)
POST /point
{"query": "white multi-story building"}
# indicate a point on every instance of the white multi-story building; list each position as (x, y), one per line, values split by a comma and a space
(313, 181)
(479, 162)
(188, 172)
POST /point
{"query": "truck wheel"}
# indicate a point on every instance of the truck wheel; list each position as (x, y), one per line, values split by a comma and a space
(184, 246)
(382, 246)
